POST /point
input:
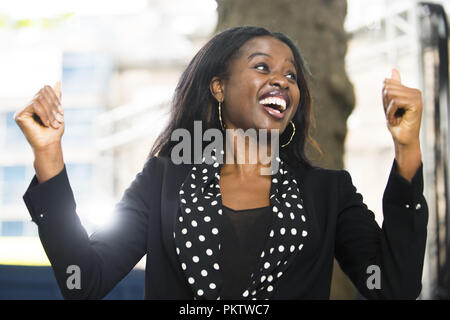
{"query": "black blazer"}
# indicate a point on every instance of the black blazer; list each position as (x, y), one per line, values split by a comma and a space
(342, 226)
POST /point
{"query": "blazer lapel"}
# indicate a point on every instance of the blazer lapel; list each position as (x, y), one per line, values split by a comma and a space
(173, 177)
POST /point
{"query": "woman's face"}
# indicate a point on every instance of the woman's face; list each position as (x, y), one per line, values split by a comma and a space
(261, 91)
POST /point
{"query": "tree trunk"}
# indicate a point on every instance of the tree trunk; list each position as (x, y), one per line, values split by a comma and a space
(317, 27)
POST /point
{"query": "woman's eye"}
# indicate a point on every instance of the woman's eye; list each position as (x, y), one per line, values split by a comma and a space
(291, 76)
(261, 67)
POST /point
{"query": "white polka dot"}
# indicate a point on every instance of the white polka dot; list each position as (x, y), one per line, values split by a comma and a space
(300, 247)
(205, 170)
(287, 204)
(292, 248)
(216, 266)
(271, 250)
(285, 182)
(181, 192)
(293, 231)
(279, 274)
(183, 265)
(193, 186)
(212, 286)
(274, 180)
(214, 203)
(188, 244)
(194, 223)
(275, 209)
(245, 294)
(195, 259)
(271, 233)
(220, 211)
(263, 278)
(194, 200)
(200, 292)
(262, 254)
(215, 165)
(207, 219)
(209, 252)
(200, 208)
(303, 218)
(304, 233)
(292, 216)
(201, 238)
(187, 210)
(283, 195)
(280, 215)
(266, 265)
(269, 288)
(191, 280)
(193, 176)
(299, 206)
(281, 248)
(215, 231)
(270, 278)
(178, 251)
(204, 273)
(183, 201)
(282, 231)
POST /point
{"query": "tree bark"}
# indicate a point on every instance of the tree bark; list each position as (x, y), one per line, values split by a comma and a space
(317, 27)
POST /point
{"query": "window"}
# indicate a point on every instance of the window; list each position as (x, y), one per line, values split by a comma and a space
(14, 139)
(79, 130)
(13, 183)
(12, 228)
(86, 73)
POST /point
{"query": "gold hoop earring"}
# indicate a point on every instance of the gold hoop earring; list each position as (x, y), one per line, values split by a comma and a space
(220, 116)
(292, 135)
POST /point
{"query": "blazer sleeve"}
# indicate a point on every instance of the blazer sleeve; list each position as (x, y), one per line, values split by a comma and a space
(396, 250)
(108, 254)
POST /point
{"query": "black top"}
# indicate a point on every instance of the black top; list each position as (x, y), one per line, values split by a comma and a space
(341, 226)
(243, 236)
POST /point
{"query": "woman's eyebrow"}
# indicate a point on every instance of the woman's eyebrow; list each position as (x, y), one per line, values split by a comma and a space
(258, 54)
(267, 55)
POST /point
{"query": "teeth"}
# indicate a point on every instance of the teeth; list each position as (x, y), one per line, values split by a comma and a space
(276, 101)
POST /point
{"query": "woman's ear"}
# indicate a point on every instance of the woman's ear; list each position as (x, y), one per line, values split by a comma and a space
(217, 88)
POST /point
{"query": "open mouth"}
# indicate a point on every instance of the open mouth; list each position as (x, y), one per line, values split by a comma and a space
(275, 103)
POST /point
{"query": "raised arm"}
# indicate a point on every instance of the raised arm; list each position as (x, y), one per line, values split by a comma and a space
(397, 250)
(106, 256)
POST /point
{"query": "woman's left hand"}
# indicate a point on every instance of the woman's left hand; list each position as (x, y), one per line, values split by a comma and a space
(403, 111)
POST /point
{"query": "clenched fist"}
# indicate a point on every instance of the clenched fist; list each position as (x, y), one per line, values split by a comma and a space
(42, 120)
(403, 110)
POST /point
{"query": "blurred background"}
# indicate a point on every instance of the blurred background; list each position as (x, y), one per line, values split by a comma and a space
(119, 62)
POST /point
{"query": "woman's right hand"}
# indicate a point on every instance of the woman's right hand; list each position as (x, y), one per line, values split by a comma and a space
(42, 120)
(42, 123)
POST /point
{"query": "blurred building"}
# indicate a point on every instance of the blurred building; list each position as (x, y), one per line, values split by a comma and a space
(119, 68)
(385, 35)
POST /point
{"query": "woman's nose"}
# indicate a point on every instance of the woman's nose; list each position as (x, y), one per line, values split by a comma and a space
(279, 80)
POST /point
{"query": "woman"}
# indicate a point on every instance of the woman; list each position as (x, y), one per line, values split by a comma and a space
(214, 230)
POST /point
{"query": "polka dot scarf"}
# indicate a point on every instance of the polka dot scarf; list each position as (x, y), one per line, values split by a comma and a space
(197, 232)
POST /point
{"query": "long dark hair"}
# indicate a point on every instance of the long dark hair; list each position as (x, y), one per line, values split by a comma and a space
(193, 100)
